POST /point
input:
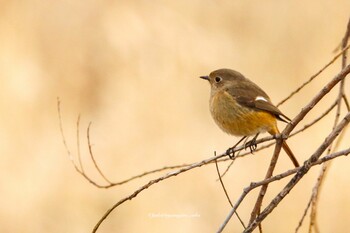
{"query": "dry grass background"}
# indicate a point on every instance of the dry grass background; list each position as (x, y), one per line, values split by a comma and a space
(131, 67)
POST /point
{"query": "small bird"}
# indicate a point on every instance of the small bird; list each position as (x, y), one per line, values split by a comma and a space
(241, 108)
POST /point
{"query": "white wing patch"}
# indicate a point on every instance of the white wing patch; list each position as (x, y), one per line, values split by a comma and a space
(261, 98)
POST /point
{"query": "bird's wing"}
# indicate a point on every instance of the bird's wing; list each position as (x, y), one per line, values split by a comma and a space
(252, 96)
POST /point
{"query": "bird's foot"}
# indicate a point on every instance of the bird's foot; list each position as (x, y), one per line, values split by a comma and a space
(251, 144)
(231, 152)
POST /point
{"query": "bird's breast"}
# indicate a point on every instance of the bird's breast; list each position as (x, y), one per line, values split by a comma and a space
(236, 119)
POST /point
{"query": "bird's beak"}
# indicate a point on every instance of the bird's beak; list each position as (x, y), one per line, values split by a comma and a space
(205, 77)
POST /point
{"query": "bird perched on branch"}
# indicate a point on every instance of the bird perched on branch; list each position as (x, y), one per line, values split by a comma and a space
(241, 108)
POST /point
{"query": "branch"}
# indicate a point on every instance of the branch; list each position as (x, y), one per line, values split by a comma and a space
(315, 120)
(175, 173)
(344, 44)
(297, 119)
(318, 184)
(81, 171)
(152, 182)
(280, 176)
(325, 167)
(256, 209)
(304, 215)
(222, 183)
(302, 171)
(93, 158)
(314, 76)
(340, 76)
(225, 191)
(80, 168)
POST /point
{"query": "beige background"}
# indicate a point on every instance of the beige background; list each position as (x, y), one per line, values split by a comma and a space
(131, 68)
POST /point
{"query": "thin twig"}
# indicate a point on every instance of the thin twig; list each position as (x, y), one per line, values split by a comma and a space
(225, 191)
(315, 194)
(81, 169)
(346, 102)
(63, 136)
(304, 215)
(227, 168)
(325, 167)
(315, 120)
(313, 76)
(92, 155)
(81, 172)
(327, 88)
(222, 183)
(344, 44)
(78, 145)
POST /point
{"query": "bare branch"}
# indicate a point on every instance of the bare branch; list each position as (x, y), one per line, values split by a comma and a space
(225, 191)
(227, 168)
(256, 209)
(315, 120)
(64, 138)
(327, 88)
(222, 183)
(152, 182)
(314, 76)
(78, 145)
(93, 158)
(280, 176)
(204, 162)
(344, 44)
(304, 215)
(210, 160)
(325, 167)
(346, 102)
(315, 194)
(302, 171)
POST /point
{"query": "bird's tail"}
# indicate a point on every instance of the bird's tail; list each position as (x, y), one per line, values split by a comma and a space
(290, 154)
(285, 147)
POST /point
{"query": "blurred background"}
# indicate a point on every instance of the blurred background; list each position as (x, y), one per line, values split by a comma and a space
(132, 68)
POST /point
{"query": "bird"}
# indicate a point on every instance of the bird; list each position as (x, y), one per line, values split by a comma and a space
(241, 108)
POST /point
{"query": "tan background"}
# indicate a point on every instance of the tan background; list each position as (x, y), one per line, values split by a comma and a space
(131, 67)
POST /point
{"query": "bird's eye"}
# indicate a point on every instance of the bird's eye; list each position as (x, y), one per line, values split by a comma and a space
(218, 79)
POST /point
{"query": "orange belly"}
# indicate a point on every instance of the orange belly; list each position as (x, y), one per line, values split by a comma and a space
(238, 120)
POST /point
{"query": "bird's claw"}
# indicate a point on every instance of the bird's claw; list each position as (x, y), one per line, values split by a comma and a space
(251, 145)
(230, 152)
